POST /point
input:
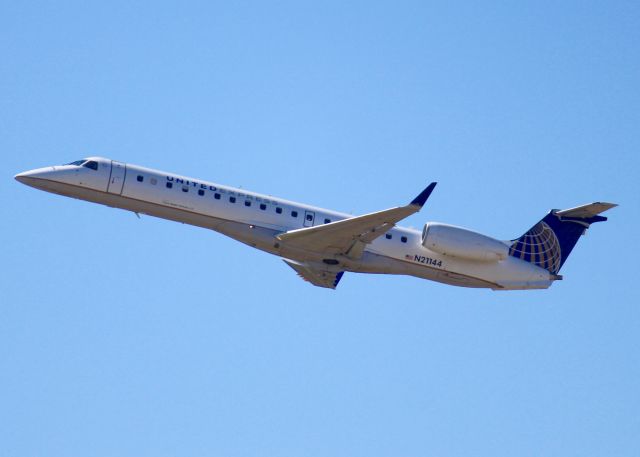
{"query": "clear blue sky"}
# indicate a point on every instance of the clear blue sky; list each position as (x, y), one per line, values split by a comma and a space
(127, 337)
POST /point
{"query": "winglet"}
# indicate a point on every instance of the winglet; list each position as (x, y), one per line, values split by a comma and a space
(424, 195)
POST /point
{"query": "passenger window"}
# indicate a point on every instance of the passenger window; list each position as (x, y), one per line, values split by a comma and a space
(309, 217)
(216, 196)
(294, 214)
(263, 206)
(326, 221)
(91, 164)
(154, 181)
(247, 203)
(403, 239)
(388, 236)
(185, 189)
(139, 178)
(200, 192)
(169, 185)
(279, 210)
(232, 199)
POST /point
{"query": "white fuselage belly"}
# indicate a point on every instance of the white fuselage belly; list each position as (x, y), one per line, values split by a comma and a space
(254, 219)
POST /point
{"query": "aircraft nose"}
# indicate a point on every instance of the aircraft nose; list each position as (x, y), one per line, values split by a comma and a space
(29, 177)
(22, 177)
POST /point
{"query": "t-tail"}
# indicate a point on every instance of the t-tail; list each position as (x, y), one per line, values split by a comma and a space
(549, 242)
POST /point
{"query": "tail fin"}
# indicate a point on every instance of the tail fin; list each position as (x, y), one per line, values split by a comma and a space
(549, 242)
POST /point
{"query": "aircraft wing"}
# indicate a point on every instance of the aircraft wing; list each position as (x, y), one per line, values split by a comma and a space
(321, 277)
(349, 236)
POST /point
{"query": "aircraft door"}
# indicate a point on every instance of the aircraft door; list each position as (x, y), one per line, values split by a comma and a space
(116, 180)
(309, 216)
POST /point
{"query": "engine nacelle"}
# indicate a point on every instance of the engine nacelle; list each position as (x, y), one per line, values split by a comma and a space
(465, 244)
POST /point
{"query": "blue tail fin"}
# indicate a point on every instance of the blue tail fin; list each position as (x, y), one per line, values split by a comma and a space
(549, 242)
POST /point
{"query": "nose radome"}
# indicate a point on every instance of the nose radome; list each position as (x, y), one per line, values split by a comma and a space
(27, 177)
(22, 177)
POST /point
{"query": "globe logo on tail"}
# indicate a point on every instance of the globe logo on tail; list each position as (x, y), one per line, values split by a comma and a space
(539, 246)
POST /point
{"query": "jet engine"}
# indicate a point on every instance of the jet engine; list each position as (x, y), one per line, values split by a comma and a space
(462, 243)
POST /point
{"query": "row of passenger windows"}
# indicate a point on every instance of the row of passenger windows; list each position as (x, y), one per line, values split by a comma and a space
(262, 206)
(232, 199)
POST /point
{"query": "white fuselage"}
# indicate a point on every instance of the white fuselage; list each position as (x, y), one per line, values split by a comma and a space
(256, 219)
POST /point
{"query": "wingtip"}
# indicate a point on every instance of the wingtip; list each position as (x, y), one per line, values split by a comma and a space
(421, 199)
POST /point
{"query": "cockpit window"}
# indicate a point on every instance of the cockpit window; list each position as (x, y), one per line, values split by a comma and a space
(77, 162)
(91, 164)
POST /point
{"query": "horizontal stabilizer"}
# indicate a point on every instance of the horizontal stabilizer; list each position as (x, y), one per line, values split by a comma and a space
(586, 211)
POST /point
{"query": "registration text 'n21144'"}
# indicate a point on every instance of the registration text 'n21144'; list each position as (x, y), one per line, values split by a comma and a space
(425, 260)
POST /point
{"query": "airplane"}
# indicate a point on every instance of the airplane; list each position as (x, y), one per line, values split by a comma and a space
(320, 244)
